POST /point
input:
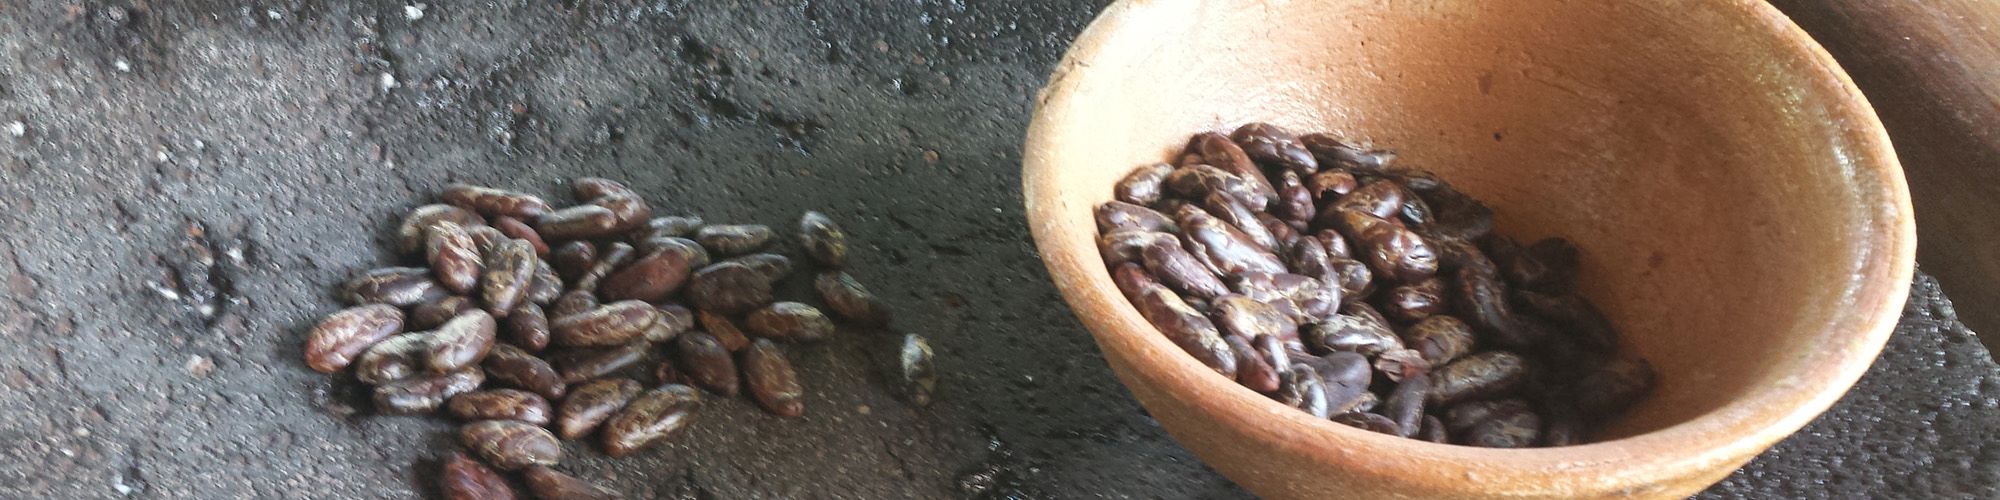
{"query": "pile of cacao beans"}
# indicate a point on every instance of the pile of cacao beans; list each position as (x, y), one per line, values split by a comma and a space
(523, 318)
(1335, 281)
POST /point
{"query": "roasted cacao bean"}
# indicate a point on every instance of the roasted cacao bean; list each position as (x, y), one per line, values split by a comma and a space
(397, 286)
(466, 479)
(790, 321)
(1195, 182)
(1405, 405)
(510, 268)
(1342, 332)
(453, 257)
(1333, 153)
(1440, 339)
(1179, 269)
(433, 314)
(1413, 302)
(1252, 370)
(511, 366)
(547, 484)
(579, 365)
(514, 228)
(416, 226)
(527, 327)
(1219, 151)
(615, 324)
(1244, 317)
(1480, 376)
(509, 445)
(345, 335)
(460, 343)
(774, 267)
(1129, 246)
(708, 362)
(729, 288)
(918, 370)
(1144, 185)
(1577, 316)
(651, 417)
(723, 329)
(1245, 221)
(1114, 216)
(495, 202)
(500, 404)
(651, 278)
(391, 359)
(1400, 364)
(733, 240)
(672, 226)
(573, 259)
(578, 222)
(673, 321)
(1613, 387)
(572, 303)
(1226, 249)
(772, 381)
(615, 256)
(1301, 387)
(424, 394)
(1369, 422)
(590, 404)
(546, 287)
(1269, 145)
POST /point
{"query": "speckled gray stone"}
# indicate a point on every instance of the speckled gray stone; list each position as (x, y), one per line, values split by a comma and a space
(295, 132)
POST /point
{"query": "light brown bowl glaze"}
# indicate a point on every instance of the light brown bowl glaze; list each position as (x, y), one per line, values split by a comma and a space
(1741, 213)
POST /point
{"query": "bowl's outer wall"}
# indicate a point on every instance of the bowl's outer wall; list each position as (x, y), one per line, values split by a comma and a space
(1742, 216)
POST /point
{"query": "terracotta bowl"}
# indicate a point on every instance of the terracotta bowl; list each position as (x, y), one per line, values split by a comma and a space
(1742, 216)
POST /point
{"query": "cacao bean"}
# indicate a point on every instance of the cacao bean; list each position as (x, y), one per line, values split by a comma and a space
(397, 286)
(705, 360)
(345, 335)
(500, 404)
(509, 445)
(650, 418)
(494, 202)
(823, 239)
(589, 405)
(511, 366)
(1144, 185)
(791, 321)
(729, 288)
(733, 240)
(771, 379)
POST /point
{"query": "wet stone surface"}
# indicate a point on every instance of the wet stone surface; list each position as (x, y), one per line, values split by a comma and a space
(180, 184)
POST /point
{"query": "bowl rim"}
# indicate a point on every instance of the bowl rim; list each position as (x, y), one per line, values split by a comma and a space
(1728, 435)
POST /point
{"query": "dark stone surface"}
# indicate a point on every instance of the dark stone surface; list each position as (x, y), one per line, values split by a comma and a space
(270, 127)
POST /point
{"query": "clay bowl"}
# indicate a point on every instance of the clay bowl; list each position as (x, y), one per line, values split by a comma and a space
(1742, 216)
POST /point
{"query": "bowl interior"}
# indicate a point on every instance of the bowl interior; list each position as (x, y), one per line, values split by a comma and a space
(1733, 197)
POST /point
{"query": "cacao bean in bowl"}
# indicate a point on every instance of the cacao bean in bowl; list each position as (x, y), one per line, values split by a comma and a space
(1743, 218)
